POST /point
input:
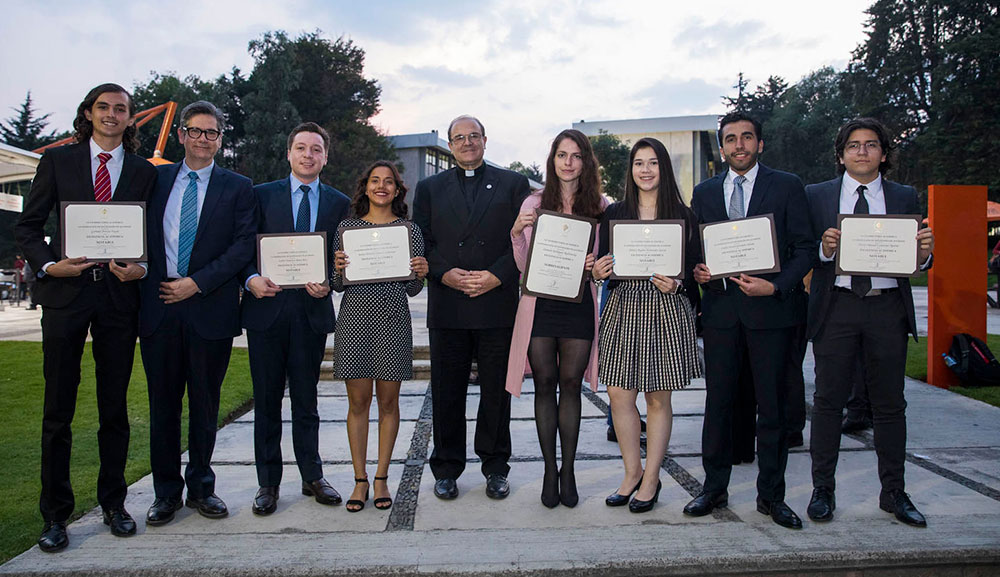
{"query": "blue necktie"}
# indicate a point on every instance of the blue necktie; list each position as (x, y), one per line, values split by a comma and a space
(189, 224)
(302, 218)
(736, 200)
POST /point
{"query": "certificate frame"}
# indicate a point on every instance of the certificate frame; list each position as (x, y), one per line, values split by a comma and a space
(750, 270)
(67, 206)
(668, 222)
(531, 251)
(326, 257)
(918, 219)
(409, 244)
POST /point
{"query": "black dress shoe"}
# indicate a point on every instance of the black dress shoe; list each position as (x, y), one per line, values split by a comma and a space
(322, 491)
(162, 511)
(638, 506)
(704, 503)
(53, 537)
(898, 503)
(266, 501)
(821, 505)
(795, 439)
(122, 524)
(446, 489)
(854, 424)
(211, 506)
(616, 499)
(497, 486)
(780, 513)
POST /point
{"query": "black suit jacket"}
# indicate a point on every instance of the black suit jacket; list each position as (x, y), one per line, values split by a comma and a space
(223, 247)
(479, 240)
(274, 200)
(64, 175)
(782, 195)
(824, 206)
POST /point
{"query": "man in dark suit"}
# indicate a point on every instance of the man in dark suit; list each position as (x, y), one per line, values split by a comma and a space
(866, 317)
(750, 317)
(466, 214)
(78, 296)
(201, 229)
(287, 328)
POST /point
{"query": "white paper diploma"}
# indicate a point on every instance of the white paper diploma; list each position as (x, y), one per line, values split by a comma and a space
(740, 246)
(377, 253)
(292, 260)
(557, 256)
(102, 231)
(642, 248)
(878, 245)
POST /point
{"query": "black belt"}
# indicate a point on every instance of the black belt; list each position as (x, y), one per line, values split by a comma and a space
(871, 293)
(94, 273)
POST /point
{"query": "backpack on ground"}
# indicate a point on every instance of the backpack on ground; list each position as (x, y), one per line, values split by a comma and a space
(973, 362)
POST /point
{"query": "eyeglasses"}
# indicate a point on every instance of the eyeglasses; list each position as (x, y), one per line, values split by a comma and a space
(473, 137)
(870, 146)
(195, 133)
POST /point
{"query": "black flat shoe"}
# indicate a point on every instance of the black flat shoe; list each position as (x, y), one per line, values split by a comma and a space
(322, 491)
(53, 537)
(705, 502)
(780, 513)
(358, 504)
(162, 511)
(550, 490)
(616, 499)
(121, 523)
(821, 505)
(382, 503)
(445, 489)
(211, 506)
(567, 489)
(637, 506)
(898, 503)
(266, 501)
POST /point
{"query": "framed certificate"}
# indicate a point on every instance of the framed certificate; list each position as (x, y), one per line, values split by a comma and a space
(557, 256)
(746, 245)
(878, 244)
(102, 231)
(379, 253)
(293, 259)
(645, 247)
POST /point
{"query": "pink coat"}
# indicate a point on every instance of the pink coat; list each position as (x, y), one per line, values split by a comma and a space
(517, 361)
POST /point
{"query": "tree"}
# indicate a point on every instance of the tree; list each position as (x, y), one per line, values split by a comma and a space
(162, 88)
(612, 154)
(533, 172)
(25, 129)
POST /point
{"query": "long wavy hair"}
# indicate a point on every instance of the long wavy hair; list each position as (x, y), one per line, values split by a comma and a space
(361, 204)
(587, 201)
(83, 129)
(669, 204)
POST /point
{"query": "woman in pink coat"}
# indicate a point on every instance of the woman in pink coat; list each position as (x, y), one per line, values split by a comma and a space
(558, 339)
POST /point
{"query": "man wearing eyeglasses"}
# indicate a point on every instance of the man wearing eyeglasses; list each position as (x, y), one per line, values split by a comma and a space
(861, 316)
(201, 230)
(466, 214)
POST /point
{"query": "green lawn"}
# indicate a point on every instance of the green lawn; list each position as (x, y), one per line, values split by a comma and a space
(916, 367)
(22, 390)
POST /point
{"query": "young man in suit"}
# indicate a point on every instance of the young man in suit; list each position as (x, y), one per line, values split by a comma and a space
(466, 214)
(866, 317)
(287, 327)
(202, 229)
(78, 296)
(750, 317)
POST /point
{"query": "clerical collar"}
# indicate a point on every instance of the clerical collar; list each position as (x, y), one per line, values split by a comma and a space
(479, 170)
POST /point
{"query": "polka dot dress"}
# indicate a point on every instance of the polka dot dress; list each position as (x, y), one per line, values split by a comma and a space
(374, 338)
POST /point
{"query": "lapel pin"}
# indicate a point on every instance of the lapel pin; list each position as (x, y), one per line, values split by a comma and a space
(489, 186)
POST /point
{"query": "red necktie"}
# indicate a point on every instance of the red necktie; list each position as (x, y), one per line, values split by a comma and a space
(102, 184)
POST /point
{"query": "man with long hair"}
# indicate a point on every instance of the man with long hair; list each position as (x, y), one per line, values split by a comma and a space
(80, 296)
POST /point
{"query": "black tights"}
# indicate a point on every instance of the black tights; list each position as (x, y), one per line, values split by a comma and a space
(558, 363)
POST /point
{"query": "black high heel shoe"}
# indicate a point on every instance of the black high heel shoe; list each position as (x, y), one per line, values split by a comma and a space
(550, 490)
(358, 503)
(637, 506)
(616, 499)
(567, 488)
(383, 503)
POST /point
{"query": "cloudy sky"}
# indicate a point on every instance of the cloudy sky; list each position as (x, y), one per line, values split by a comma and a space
(527, 68)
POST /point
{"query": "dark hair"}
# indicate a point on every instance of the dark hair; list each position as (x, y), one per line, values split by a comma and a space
(84, 129)
(203, 107)
(669, 204)
(875, 126)
(587, 199)
(361, 204)
(310, 127)
(451, 125)
(739, 116)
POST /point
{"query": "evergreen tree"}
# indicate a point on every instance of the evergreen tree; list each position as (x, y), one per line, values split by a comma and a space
(25, 129)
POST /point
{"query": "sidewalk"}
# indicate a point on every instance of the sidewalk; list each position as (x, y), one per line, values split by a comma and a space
(953, 476)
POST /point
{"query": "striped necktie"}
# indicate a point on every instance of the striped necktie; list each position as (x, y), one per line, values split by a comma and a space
(736, 200)
(302, 219)
(189, 224)
(102, 182)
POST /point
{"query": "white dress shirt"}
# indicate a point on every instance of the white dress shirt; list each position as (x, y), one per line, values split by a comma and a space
(172, 213)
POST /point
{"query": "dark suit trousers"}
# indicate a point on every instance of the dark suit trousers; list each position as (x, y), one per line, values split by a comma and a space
(289, 351)
(64, 331)
(744, 416)
(795, 409)
(452, 352)
(175, 356)
(725, 350)
(874, 328)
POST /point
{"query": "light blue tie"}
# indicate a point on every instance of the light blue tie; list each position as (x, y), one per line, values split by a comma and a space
(736, 200)
(302, 223)
(189, 224)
